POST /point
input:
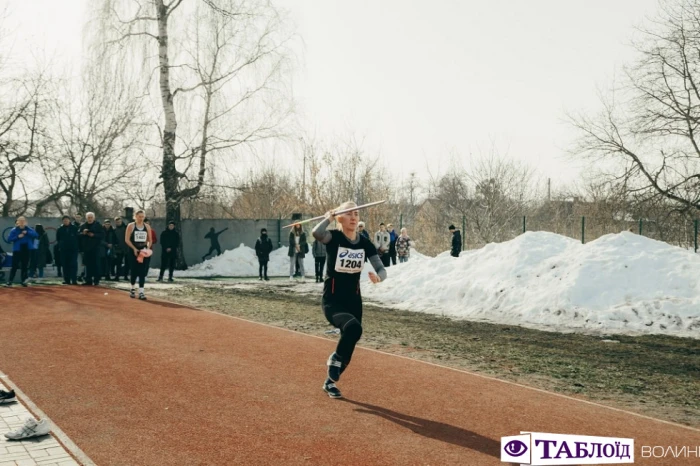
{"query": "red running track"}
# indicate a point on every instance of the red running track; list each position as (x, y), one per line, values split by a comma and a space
(153, 383)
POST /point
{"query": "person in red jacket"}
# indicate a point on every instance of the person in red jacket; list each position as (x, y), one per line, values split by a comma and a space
(154, 239)
(154, 236)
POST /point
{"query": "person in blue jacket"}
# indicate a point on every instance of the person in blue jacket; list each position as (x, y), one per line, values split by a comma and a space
(22, 238)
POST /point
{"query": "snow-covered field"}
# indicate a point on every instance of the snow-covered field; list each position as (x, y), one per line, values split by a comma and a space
(619, 283)
(242, 262)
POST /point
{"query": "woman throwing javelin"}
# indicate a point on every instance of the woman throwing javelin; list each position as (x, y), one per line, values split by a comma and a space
(346, 251)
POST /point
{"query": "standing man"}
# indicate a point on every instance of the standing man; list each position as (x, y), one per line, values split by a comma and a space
(456, 241)
(67, 241)
(77, 222)
(22, 238)
(382, 241)
(263, 248)
(169, 242)
(319, 252)
(119, 249)
(107, 250)
(392, 245)
(91, 237)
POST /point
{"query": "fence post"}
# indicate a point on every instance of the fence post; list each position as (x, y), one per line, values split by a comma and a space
(464, 230)
(524, 225)
(583, 230)
(640, 227)
(401, 222)
(696, 235)
(279, 231)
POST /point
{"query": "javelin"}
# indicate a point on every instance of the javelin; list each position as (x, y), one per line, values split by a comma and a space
(340, 212)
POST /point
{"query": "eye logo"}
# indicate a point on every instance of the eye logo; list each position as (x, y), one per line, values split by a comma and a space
(515, 448)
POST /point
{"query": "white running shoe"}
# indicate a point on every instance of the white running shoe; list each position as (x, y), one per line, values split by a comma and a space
(31, 428)
(291, 278)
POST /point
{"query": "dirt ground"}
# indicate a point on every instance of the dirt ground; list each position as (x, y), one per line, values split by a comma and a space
(658, 376)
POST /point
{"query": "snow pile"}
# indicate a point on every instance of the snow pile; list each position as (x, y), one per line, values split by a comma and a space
(242, 262)
(620, 283)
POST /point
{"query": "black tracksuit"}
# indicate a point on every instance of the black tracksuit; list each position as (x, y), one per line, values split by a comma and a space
(342, 300)
(456, 244)
(90, 247)
(169, 239)
(120, 250)
(263, 248)
(108, 257)
(68, 244)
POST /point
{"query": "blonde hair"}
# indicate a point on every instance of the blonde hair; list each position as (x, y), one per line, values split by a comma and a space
(343, 206)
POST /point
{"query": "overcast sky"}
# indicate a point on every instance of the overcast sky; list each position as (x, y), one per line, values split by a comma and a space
(425, 79)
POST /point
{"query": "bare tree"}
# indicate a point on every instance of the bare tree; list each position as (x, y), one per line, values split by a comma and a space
(223, 69)
(96, 150)
(20, 134)
(342, 170)
(268, 193)
(492, 193)
(649, 128)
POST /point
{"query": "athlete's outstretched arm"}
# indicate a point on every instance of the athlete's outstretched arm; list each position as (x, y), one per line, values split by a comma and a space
(320, 232)
(378, 266)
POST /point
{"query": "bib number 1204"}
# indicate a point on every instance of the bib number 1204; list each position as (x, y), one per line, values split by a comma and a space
(349, 260)
(351, 264)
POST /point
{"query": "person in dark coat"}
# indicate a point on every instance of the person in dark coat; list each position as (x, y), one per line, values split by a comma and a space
(77, 221)
(119, 249)
(22, 238)
(263, 248)
(57, 260)
(298, 248)
(456, 241)
(91, 236)
(169, 242)
(107, 249)
(41, 253)
(318, 250)
(67, 240)
(392, 245)
(362, 231)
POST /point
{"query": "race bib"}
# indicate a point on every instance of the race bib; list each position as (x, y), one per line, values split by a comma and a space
(349, 260)
(140, 236)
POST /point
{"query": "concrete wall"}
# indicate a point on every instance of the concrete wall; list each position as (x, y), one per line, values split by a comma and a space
(193, 231)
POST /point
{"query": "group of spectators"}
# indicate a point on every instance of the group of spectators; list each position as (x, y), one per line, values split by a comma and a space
(100, 247)
(390, 247)
(105, 255)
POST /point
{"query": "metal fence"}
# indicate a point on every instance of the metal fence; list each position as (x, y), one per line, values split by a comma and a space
(432, 236)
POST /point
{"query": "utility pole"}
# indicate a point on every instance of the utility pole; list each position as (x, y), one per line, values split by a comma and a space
(549, 189)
